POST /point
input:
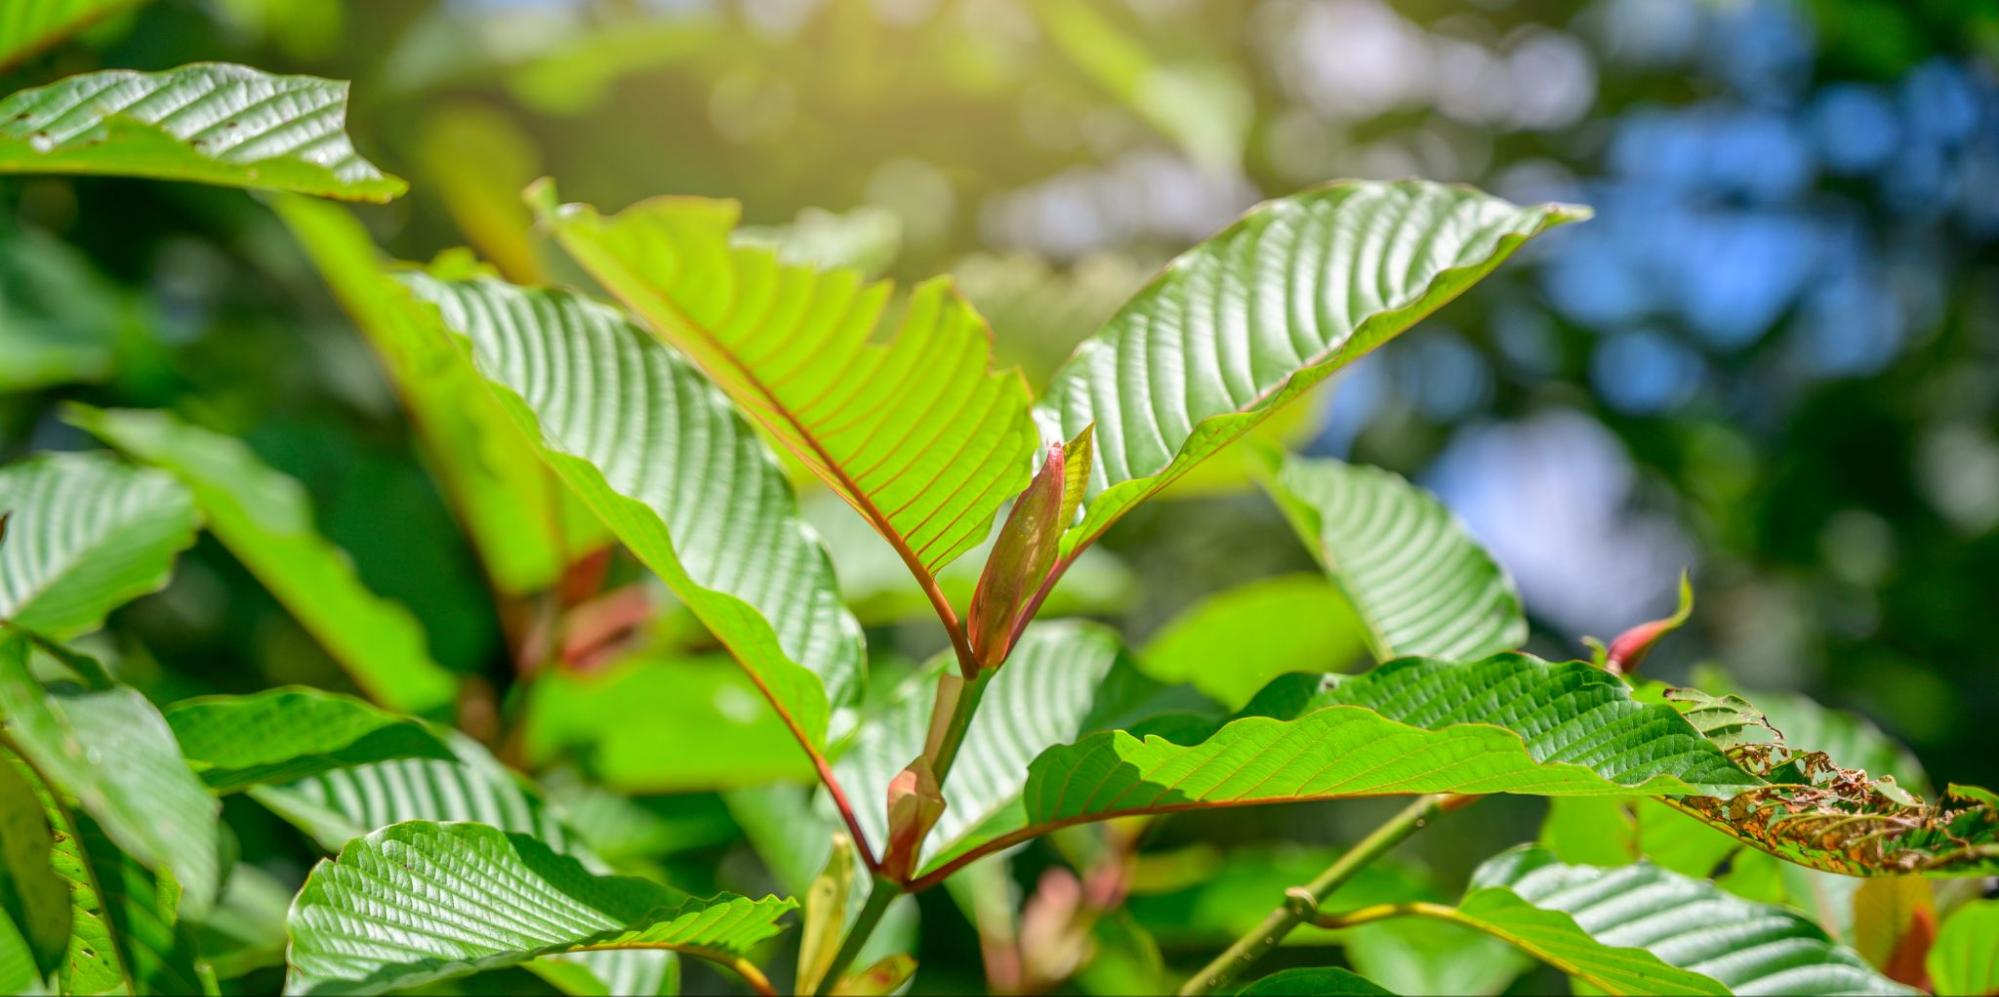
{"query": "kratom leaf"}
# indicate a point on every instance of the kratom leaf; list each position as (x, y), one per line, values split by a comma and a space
(1255, 316)
(61, 320)
(1418, 582)
(664, 460)
(34, 901)
(1062, 681)
(29, 26)
(1606, 831)
(207, 122)
(1507, 724)
(1965, 957)
(653, 723)
(1639, 929)
(1232, 644)
(126, 935)
(265, 518)
(525, 524)
(338, 768)
(137, 914)
(113, 753)
(918, 432)
(1309, 982)
(283, 735)
(1817, 813)
(387, 914)
(340, 804)
(85, 534)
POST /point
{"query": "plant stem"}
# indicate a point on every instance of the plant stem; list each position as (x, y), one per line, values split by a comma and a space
(1301, 903)
(880, 895)
(957, 700)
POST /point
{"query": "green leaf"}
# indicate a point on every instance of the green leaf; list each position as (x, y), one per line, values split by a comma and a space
(391, 911)
(1507, 724)
(1418, 582)
(1063, 680)
(113, 752)
(62, 321)
(340, 804)
(526, 525)
(265, 518)
(282, 735)
(34, 901)
(338, 768)
(1639, 929)
(1254, 317)
(85, 534)
(30, 26)
(138, 913)
(664, 460)
(1606, 831)
(656, 724)
(917, 431)
(1307, 982)
(124, 931)
(1233, 643)
(207, 122)
(1965, 957)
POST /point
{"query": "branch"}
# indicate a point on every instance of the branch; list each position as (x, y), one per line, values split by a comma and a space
(1301, 903)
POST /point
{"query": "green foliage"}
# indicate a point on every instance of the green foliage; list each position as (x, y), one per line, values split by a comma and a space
(1964, 959)
(1233, 644)
(1306, 982)
(917, 432)
(701, 501)
(112, 752)
(85, 534)
(1166, 393)
(386, 913)
(1417, 582)
(1642, 930)
(28, 26)
(265, 519)
(680, 660)
(208, 123)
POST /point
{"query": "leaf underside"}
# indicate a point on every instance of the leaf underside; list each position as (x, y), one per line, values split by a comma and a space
(1419, 583)
(1638, 929)
(917, 431)
(667, 464)
(84, 535)
(387, 913)
(207, 122)
(1261, 312)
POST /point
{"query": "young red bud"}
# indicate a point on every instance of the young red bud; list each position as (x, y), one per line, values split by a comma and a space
(1020, 561)
(1630, 648)
(915, 803)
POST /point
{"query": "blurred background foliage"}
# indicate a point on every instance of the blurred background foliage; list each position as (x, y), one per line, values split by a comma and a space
(1772, 359)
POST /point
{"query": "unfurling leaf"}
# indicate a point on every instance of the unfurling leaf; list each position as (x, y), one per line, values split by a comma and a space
(915, 803)
(1628, 651)
(1020, 561)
